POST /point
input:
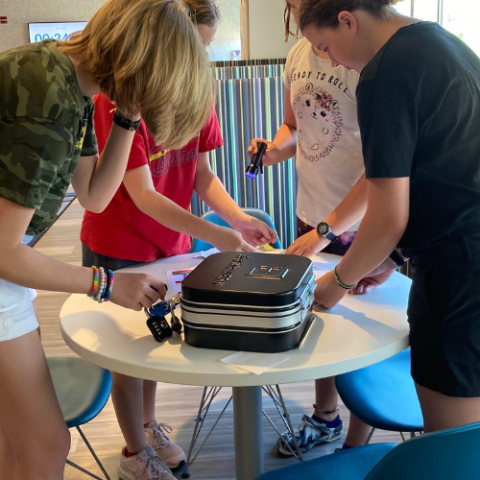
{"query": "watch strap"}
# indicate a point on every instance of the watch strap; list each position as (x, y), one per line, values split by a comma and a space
(398, 259)
(331, 236)
(131, 125)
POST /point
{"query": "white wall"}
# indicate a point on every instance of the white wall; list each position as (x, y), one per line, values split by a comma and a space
(20, 12)
(266, 29)
(265, 18)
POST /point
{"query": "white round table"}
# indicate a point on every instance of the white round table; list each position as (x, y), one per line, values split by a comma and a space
(358, 332)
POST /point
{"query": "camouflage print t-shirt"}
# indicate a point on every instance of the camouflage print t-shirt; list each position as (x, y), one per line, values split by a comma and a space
(45, 126)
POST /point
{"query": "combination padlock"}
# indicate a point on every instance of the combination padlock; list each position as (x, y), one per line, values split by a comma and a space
(157, 323)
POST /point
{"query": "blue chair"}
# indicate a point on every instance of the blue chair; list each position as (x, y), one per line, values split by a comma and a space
(452, 454)
(82, 390)
(211, 216)
(383, 395)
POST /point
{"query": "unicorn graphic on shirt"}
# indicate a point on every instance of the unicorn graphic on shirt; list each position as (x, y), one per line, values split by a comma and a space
(317, 113)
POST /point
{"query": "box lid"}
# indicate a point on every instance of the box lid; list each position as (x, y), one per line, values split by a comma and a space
(248, 279)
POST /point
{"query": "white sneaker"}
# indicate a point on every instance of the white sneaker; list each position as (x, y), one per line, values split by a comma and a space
(145, 465)
(167, 450)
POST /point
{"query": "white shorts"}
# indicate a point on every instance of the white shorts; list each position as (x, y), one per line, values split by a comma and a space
(17, 315)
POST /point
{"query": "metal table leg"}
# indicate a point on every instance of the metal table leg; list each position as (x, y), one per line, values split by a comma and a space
(247, 422)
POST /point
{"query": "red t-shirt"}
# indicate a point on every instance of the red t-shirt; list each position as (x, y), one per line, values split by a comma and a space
(122, 230)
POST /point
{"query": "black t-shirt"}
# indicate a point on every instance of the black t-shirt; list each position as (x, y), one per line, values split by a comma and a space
(419, 115)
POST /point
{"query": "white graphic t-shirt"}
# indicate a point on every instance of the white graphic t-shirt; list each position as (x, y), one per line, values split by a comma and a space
(329, 156)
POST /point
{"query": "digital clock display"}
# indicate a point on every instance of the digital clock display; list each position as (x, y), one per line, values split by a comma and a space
(55, 30)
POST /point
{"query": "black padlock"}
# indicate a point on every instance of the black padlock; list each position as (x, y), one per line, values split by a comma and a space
(157, 323)
(160, 328)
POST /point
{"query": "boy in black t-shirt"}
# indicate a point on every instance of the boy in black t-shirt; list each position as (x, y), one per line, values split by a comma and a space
(419, 116)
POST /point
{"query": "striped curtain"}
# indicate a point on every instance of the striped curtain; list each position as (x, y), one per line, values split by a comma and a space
(248, 69)
(251, 71)
(249, 108)
(242, 63)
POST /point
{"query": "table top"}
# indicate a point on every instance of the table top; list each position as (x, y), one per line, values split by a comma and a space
(359, 331)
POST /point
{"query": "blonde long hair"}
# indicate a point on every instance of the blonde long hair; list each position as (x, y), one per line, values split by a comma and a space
(148, 52)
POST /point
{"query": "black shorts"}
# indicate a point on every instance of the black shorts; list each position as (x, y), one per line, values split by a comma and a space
(444, 317)
(89, 258)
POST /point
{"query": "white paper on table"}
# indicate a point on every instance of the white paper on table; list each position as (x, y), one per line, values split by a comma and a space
(174, 280)
(255, 362)
(275, 251)
(206, 253)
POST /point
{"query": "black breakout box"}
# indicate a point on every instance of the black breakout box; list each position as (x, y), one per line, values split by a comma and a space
(249, 302)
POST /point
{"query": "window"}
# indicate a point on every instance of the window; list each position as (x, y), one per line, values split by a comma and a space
(457, 16)
(461, 18)
(227, 43)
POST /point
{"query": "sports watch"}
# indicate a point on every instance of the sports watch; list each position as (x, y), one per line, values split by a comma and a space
(324, 230)
(398, 259)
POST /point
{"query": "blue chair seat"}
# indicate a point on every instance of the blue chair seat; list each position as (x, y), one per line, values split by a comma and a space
(445, 455)
(351, 464)
(213, 217)
(383, 395)
(82, 388)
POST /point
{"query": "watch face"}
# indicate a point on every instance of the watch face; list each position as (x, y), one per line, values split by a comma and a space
(323, 228)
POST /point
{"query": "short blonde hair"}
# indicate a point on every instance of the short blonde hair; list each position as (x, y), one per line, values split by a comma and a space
(203, 12)
(148, 52)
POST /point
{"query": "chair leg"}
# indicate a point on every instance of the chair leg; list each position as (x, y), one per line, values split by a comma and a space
(209, 394)
(86, 472)
(279, 403)
(370, 435)
(94, 455)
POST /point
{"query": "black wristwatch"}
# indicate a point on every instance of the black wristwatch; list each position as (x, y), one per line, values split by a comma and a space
(398, 259)
(126, 123)
(324, 230)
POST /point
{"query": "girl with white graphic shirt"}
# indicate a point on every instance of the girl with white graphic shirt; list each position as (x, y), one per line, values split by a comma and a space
(320, 127)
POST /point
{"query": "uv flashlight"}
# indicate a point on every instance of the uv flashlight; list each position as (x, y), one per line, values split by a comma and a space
(256, 164)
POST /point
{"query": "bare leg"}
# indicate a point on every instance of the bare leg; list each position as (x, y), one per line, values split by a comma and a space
(149, 394)
(127, 398)
(7, 466)
(441, 412)
(357, 432)
(30, 416)
(326, 399)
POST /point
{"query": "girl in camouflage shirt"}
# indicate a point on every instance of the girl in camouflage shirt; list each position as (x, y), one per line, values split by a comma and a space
(145, 55)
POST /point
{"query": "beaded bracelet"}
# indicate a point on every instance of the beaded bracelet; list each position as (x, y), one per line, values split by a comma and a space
(102, 285)
(95, 281)
(110, 281)
(339, 282)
